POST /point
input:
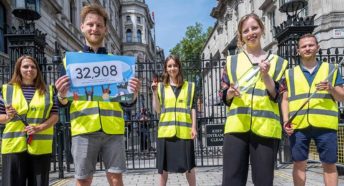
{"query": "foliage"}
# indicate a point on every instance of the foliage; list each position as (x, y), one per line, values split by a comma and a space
(190, 47)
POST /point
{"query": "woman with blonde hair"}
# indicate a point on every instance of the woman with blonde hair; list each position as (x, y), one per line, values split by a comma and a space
(252, 128)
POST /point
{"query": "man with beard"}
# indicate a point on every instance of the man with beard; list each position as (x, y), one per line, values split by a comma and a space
(96, 126)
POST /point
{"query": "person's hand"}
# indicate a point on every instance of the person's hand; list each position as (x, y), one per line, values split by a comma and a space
(135, 85)
(288, 128)
(324, 85)
(264, 67)
(232, 91)
(10, 112)
(30, 130)
(193, 133)
(62, 85)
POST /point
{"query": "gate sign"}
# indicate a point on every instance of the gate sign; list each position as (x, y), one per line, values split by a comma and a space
(99, 77)
(214, 135)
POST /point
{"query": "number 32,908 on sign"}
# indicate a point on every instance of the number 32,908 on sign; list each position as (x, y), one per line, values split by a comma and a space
(89, 74)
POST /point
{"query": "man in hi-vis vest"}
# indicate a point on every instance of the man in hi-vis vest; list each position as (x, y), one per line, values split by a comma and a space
(96, 126)
(318, 119)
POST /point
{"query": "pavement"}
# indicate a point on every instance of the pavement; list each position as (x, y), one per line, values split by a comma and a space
(205, 176)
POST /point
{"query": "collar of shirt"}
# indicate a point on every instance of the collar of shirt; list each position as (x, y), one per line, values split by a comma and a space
(310, 76)
(101, 50)
(304, 70)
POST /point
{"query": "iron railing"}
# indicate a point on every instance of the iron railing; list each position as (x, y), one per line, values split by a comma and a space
(141, 134)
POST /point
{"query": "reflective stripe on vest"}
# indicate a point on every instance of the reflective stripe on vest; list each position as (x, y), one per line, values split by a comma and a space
(35, 113)
(322, 110)
(254, 110)
(176, 117)
(91, 116)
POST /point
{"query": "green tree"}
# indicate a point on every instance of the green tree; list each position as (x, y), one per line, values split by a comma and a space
(190, 47)
(189, 50)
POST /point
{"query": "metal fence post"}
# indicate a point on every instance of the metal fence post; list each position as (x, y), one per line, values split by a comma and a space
(60, 149)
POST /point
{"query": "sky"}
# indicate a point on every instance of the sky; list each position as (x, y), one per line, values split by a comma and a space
(172, 17)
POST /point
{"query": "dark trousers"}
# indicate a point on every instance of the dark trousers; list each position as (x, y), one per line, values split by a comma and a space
(239, 149)
(144, 137)
(14, 169)
(38, 173)
(21, 169)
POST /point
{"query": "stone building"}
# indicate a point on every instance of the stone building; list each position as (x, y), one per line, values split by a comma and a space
(222, 42)
(130, 27)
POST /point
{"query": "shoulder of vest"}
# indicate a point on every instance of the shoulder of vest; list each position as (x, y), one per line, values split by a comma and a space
(291, 70)
(280, 59)
(331, 64)
(326, 65)
(233, 57)
(52, 87)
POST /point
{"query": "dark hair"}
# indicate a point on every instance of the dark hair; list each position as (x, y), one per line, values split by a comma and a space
(241, 22)
(93, 9)
(166, 77)
(18, 79)
(308, 35)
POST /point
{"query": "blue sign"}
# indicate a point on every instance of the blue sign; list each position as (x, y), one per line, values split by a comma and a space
(99, 77)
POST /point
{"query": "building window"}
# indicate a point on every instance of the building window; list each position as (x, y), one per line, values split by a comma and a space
(128, 19)
(138, 19)
(304, 12)
(2, 27)
(72, 10)
(139, 36)
(128, 35)
(271, 16)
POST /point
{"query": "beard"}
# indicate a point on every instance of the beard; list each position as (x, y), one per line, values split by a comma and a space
(94, 40)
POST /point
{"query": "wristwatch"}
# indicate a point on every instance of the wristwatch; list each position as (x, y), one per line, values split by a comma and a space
(60, 97)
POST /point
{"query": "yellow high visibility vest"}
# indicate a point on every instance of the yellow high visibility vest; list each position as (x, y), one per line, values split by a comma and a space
(91, 116)
(14, 137)
(254, 111)
(175, 117)
(322, 109)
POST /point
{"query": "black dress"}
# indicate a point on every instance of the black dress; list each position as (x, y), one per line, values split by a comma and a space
(174, 154)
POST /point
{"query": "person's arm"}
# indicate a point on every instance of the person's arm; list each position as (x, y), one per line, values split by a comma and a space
(134, 85)
(337, 92)
(33, 129)
(285, 114)
(62, 85)
(228, 91)
(51, 121)
(4, 118)
(268, 81)
(156, 102)
(194, 124)
(7, 115)
(129, 105)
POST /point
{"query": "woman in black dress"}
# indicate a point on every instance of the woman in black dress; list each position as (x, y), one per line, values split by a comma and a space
(174, 100)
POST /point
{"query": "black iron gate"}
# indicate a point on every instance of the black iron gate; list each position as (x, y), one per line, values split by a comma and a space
(141, 129)
(142, 121)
